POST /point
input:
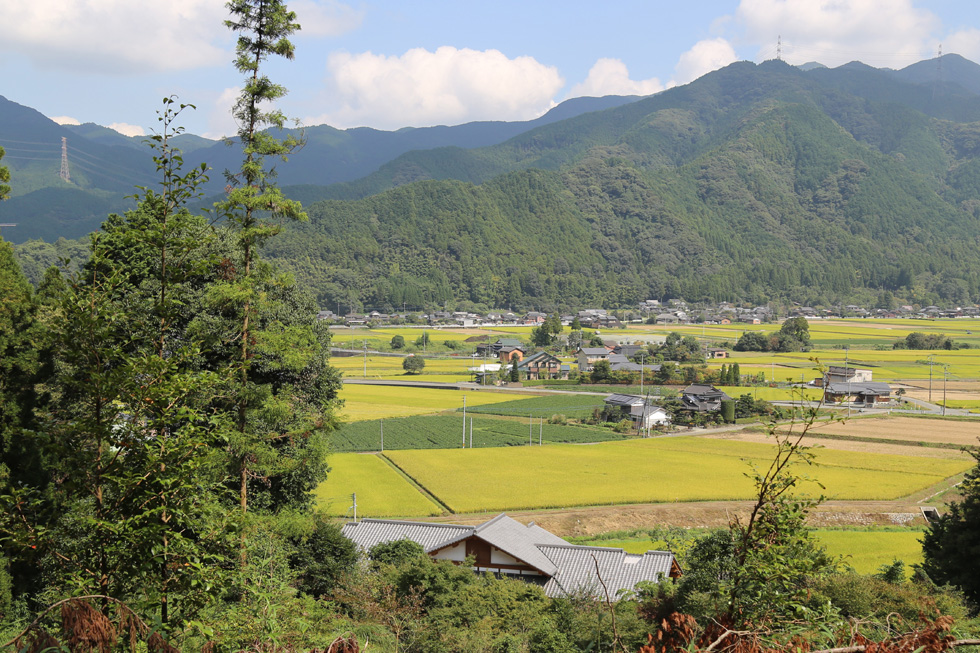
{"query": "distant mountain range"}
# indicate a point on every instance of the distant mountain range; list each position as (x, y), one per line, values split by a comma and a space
(106, 166)
(755, 181)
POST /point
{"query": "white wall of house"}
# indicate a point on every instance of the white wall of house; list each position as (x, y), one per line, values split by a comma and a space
(456, 553)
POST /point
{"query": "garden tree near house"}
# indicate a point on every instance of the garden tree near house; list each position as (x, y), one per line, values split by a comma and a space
(515, 373)
(723, 375)
(951, 545)
(547, 334)
(734, 375)
(413, 364)
(601, 371)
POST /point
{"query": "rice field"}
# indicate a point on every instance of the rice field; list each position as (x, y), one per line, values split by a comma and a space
(867, 551)
(643, 471)
(381, 491)
(367, 402)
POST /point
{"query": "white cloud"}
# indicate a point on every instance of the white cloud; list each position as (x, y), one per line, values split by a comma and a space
(611, 77)
(883, 33)
(221, 122)
(705, 56)
(116, 36)
(325, 17)
(965, 42)
(448, 86)
(127, 130)
(65, 120)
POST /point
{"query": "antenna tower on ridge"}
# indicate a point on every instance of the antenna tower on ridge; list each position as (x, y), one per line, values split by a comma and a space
(64, 159)
(779, 47)
(938, 88)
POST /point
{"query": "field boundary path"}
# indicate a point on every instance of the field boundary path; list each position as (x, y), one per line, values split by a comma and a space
(418, 486)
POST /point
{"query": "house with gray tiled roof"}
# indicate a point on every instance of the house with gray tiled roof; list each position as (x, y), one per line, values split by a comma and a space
(504, 546)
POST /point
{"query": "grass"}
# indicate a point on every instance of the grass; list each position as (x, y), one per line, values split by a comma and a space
(381, 490)
(647, 471)
(367, 402)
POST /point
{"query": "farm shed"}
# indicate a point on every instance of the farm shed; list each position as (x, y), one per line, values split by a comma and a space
(504, 546)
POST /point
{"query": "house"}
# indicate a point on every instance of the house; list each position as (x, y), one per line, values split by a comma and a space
(504, 546)
(703, 398)
(505, 349)
(639, 410)
(716, 352)
(839, 374)
(868, 392)
(543, 365)
(629, 351)
(588, 356)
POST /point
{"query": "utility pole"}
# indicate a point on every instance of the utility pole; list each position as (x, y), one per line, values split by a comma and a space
(464, 421)
(848, 375)
(382, 435)
(365, 358)
(945, 376)
(932, 362)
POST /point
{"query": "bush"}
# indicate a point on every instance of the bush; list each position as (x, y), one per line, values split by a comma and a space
(413, 364)
(623, 426)
(398, 342)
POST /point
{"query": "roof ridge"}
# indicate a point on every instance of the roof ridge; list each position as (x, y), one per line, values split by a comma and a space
(479, 528)
(405, 521)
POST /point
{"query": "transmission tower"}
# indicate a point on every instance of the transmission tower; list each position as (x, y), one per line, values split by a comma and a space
(937, 90)
(779, 47)
(65, 175)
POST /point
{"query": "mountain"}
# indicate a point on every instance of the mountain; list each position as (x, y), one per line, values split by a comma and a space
(106, 166)
(753, 182)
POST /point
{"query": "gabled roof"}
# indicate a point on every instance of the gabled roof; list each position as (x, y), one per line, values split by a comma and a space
(594, 351)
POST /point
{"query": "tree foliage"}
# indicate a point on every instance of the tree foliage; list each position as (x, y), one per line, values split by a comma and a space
(951, 545)
(413, 364)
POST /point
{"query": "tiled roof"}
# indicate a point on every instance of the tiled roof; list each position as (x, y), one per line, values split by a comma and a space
(623, 400)
(619, 570)
(368, 532)
(569, 568)
(859, 388)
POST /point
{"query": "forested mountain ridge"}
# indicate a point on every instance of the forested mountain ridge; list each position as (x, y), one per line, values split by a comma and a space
(105, 165)
(754, 182)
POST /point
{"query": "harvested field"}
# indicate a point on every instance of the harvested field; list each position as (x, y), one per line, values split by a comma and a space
(857, 446)
(908, 429)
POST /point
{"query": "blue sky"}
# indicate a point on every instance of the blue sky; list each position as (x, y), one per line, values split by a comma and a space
(388, 64)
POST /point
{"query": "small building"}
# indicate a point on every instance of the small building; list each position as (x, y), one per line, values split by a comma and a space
(504, 546)
(639, 410)
(717, 352)
(840, 374)
(868, 393)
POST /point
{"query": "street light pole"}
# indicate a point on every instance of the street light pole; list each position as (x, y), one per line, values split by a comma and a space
(945, 376)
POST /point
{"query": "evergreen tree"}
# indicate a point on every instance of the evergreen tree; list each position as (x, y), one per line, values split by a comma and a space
(284, 384)
(723, 376)
(734, 375)
(4, 179)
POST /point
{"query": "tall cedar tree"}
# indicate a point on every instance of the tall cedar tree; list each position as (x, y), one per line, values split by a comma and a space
(263, 27)
(284, 385)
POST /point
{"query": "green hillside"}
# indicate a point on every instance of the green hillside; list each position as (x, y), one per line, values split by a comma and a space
(753, 182)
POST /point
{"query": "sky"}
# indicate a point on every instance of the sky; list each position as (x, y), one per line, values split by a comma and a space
(390, 64)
